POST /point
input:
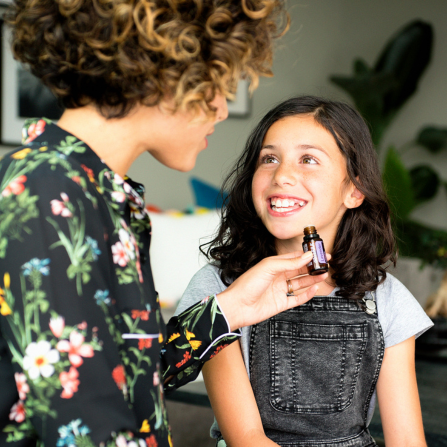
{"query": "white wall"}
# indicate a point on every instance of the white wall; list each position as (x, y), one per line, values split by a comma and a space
(324, 38)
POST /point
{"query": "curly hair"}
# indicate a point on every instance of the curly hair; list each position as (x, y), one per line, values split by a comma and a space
(364, 241)
(118, 53)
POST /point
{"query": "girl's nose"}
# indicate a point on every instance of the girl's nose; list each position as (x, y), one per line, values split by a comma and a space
(285, 174)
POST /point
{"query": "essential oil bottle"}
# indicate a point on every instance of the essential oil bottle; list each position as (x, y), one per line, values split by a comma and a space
(312, 242)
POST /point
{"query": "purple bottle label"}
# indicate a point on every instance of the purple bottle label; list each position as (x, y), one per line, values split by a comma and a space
(321, 255)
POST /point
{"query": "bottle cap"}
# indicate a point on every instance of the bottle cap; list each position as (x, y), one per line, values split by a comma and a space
(310, 229)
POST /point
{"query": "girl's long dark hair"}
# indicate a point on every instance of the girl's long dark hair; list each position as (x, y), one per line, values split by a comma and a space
(364, 242)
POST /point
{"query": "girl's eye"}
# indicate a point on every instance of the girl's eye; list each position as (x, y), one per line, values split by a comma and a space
(308, 160)
(268, 159)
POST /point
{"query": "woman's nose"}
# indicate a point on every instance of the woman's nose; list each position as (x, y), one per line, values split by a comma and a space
(220, 102)
(285, 174)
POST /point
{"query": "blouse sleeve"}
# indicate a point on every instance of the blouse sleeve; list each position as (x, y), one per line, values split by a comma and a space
(194, 336)
(198, 332)
(66, 365)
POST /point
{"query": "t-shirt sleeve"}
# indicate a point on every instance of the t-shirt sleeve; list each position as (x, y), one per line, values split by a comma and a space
(400, 314)
(204, 283)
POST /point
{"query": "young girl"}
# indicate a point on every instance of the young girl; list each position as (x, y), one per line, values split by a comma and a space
(309, 376)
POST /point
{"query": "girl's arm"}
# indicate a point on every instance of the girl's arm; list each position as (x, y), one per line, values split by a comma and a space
(232, 399)
(398, 396)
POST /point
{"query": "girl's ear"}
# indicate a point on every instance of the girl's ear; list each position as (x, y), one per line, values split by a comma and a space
(354, 198)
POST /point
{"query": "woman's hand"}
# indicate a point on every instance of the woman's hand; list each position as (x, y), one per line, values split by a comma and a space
(261, 292)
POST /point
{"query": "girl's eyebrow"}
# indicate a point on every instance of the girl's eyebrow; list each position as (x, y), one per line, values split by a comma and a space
(311, 146)
(299, 146)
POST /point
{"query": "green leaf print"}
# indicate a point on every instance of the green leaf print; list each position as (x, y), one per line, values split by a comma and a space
(192, 316)
(71, 144)
(81, 249)
(15, 212)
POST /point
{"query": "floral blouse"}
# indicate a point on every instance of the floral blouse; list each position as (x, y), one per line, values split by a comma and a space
(80, 324)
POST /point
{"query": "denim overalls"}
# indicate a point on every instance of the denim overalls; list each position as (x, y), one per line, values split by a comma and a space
(313, 371)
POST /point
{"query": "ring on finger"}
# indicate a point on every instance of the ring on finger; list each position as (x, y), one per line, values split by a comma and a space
(289, 288)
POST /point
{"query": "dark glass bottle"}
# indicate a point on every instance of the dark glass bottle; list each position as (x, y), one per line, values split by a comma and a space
(312, 242)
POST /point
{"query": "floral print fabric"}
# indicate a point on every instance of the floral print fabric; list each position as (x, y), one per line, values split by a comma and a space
(81, 329)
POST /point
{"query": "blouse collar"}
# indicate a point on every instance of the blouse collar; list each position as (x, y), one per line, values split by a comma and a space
(117, 190)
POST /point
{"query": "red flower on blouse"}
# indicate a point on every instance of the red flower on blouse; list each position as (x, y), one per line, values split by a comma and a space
(144, 343)
(89, 172)
(217, 351)
(34, 130)
(186, 357)
(143, 314)
(70, 383)
(119, 376)
(151, 441)
(15, 186)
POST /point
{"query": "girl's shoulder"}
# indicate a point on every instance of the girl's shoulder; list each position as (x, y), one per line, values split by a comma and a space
(400, 314)
(205, 282)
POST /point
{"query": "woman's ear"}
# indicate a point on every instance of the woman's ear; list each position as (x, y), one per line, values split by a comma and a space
(354, 197)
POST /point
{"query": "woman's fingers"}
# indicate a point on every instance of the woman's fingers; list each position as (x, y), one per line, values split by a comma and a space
(305, 281)
(301, 297)
(297, 254)
(293, 264)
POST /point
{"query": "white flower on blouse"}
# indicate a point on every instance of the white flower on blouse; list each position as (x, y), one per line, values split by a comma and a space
(118, 196)
(121, 441)
(119, 254)
(127, 242)
(39, 359)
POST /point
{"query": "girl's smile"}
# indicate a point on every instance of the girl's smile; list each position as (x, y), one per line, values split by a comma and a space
(281, 205)
(301, 179)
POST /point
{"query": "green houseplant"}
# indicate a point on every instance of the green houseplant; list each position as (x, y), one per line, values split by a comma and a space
(379, 93)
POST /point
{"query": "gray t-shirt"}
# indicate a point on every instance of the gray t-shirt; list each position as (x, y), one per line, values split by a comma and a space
(399, 313)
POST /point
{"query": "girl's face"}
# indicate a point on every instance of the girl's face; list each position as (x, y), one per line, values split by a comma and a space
(301, 180)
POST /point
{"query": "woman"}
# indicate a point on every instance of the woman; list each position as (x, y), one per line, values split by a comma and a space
(81, 330)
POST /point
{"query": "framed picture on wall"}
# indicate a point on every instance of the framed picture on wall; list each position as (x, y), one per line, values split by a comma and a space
(241, 105)
(23, 96)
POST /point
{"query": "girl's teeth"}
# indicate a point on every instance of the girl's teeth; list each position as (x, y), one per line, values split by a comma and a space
(284, 204)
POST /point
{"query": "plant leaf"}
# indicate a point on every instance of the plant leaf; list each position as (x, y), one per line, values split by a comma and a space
(398, 185)
(433, 138)
(420, 241)
(406, 56)
(367, 91)
(361, 67)
(425, 182)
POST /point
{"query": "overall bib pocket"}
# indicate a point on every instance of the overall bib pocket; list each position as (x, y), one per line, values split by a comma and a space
(314, 367)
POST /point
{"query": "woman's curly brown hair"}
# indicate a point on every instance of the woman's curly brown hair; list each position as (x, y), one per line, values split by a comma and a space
(118, 53)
